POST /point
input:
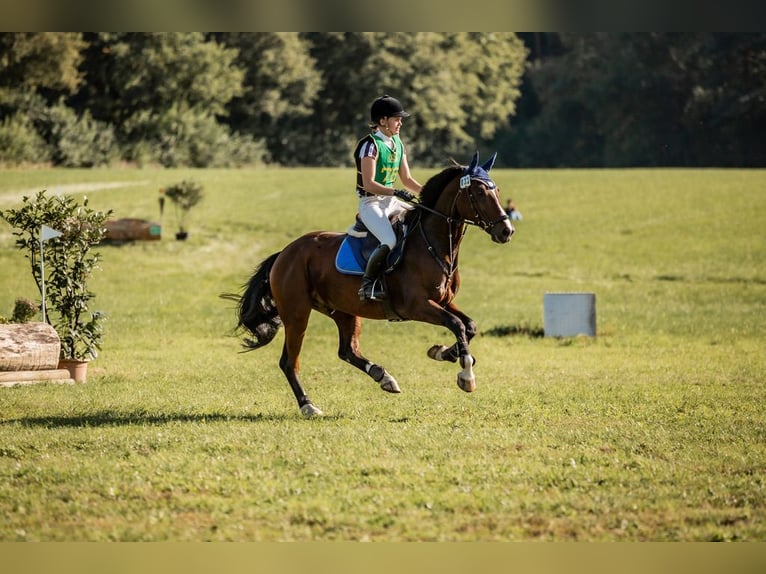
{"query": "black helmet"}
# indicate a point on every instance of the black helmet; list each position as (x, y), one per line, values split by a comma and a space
(386, 107)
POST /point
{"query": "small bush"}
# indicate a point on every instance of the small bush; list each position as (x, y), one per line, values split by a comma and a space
(24, 310)
(20, 143)
(189, 137)
(42, 133)
(79, 141)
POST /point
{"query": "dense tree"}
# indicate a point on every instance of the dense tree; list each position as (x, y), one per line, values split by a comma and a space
(135, 73)
(281, 79)
(340, 105)
(156, 71)
(37, 70)
(49, 60)
(725, 108)
(541, 99)
(459, 87)
(640, 99)
(165, 94)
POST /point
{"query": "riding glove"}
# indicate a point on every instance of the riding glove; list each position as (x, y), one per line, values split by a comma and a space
(404, 194)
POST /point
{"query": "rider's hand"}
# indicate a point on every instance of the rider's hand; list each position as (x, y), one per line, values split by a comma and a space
(404, 194)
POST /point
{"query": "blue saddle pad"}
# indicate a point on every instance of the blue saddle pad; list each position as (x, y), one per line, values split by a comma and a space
(354, 251)
(350, 259)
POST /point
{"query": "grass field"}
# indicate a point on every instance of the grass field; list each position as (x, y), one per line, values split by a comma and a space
(654, 430)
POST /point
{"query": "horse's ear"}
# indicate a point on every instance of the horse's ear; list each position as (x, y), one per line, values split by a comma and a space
(474, 162)
(489, 163)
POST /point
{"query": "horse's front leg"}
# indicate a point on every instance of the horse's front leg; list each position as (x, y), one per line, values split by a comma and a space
(451, 354)
(464, 329)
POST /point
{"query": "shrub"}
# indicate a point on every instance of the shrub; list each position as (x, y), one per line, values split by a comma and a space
(69, 263)
(39, 133)
(20, 143)
(24, 311)
(79, 141)
(189, 137)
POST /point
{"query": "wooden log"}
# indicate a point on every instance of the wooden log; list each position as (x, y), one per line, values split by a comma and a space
(131, 229)
(13, 378)
(28, 347)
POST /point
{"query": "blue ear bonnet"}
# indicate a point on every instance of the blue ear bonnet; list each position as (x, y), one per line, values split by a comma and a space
(478, 172)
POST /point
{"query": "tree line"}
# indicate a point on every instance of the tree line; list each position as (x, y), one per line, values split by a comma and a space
(233, 98)
(642, 99)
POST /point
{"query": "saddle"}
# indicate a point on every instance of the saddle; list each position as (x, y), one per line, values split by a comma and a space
(359, 243)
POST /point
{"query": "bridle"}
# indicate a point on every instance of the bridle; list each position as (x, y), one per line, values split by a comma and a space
(479, 220)
(489, 185)
(465, 186)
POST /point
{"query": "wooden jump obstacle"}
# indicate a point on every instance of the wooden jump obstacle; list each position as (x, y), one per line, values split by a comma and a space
(29, 354)
(132, 229)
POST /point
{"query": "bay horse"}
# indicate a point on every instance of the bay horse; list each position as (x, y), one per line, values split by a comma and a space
(289, 284)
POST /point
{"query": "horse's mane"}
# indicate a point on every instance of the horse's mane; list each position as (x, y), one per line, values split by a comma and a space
(434, 186)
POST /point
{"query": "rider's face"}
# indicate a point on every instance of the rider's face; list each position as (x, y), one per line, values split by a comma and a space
(391, 125)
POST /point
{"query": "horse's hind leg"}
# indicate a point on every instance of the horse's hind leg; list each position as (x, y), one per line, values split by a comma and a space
(295, 324)
(291, 373)
(349, 330)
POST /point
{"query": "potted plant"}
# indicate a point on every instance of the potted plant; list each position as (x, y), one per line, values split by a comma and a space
(183, 196)
(69, 261)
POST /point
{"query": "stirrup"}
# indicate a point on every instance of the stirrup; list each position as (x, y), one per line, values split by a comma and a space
(369, 292)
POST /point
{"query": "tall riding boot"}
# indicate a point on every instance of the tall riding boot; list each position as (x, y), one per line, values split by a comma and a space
(375, 264)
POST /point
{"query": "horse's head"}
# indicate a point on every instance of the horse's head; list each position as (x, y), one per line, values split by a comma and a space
(480, 202)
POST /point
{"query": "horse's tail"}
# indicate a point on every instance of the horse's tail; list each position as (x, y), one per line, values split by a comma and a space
(256, 310)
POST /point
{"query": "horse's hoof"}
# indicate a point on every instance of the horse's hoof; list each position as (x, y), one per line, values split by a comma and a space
(308, 410)
(467, 385)
(389, 384)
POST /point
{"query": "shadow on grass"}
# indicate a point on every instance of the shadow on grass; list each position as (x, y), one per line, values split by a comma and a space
(515, 330)
(710, 279)
(112, 418)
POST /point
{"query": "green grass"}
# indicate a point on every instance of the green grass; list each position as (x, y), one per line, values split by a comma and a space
(654, 430)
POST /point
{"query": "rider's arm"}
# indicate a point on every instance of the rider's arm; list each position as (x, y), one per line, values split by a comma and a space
(406, 177)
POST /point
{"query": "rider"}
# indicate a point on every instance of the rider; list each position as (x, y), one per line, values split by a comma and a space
(380, 157)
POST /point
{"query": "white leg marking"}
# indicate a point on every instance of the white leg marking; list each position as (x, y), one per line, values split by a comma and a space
(466, 380)
(310, 410)
(389, 384)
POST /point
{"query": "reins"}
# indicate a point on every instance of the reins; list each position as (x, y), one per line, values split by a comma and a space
(485, 225)
(448, 271)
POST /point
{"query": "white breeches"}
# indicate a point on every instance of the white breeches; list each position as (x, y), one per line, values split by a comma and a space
(374, 212)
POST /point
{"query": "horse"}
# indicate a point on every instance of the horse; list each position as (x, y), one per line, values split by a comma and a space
(289, 284)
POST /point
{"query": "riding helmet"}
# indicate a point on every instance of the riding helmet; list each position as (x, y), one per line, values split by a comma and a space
(386, 107)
